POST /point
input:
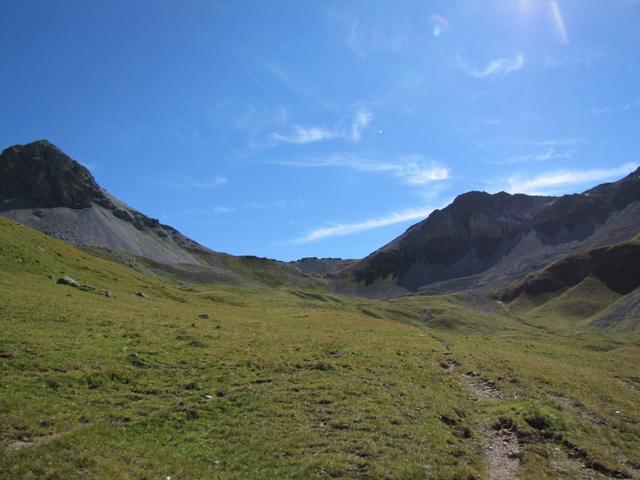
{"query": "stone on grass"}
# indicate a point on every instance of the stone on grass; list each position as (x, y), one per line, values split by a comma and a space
(66, 280)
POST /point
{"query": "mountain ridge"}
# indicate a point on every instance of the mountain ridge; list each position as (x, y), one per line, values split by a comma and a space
(481, 237)
(478, 242)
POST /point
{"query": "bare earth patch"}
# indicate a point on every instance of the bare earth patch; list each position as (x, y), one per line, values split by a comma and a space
(20, 444)
(481, 388)
(502, 454)
(569, 466)
(502, 450)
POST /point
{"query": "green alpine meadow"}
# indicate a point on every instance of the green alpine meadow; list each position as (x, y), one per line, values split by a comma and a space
(318, 240)
(135, 375)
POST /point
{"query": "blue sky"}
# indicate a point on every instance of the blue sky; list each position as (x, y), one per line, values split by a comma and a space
(289, 129)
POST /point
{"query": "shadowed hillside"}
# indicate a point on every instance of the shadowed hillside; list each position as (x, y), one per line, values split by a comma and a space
(482, 241)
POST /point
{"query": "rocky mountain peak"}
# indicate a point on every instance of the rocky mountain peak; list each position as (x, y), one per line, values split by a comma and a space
(39, 174)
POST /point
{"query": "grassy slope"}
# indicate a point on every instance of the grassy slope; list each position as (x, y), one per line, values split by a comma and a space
(303, 384)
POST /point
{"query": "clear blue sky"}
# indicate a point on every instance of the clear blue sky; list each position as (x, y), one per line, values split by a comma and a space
(308, 128)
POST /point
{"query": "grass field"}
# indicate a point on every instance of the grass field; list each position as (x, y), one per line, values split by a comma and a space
(214, 381)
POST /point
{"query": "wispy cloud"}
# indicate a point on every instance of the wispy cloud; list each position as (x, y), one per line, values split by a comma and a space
(251, 206)
(361, 120)
(185, 182)
(295, 86)
(219, 210)
(341, 229)
(304, 134)
(545, 155)
(374, 31)
(411, 169)
(556, 181)
(616, 109)
(351, 130)
(496, 67)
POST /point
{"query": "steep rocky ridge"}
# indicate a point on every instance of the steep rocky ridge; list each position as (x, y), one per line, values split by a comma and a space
(483, 240)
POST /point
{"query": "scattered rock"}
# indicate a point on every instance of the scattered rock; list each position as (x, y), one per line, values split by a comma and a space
(66, 280)
(502, 454)
(204, 316)
(481, 388)
(141, 294)
(106, 293)
(450, 364)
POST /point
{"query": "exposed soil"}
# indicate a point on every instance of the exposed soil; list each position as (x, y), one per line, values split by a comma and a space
(502, 454)
(568, 465)
(20, 444)
(481, 388)
(502, 450)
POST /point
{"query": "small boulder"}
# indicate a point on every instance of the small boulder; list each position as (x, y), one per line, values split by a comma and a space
(204, 316)
(141, 294)
(106, 293)
(66, 280)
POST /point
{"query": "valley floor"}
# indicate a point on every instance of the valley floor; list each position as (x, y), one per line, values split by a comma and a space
(192, 382)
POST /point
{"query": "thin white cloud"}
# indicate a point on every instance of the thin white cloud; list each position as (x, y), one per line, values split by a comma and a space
(373, 31)
(411, 169)
(546, 155)
(341, 229)
(304, 134)
(498, 66)
(310, 134)
(295, 86)
(361, 120)
(553, 182)
(251, 206)
(185, 182)
(616, 109)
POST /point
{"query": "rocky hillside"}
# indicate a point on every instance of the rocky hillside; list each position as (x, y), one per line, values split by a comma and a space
(597, 288)
(321, 266)
(43, 188)
(40, 186)
(483, 240)
(616, 266)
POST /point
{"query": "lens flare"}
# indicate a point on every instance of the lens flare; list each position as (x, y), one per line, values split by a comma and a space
(439, 25)
(558, 21)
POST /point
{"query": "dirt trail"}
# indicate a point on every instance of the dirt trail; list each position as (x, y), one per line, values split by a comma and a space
(481, 388)
(502, 454)
(502, 450)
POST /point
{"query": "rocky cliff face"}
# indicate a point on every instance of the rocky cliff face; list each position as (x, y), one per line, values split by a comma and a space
(41, 175)
(486, 238)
